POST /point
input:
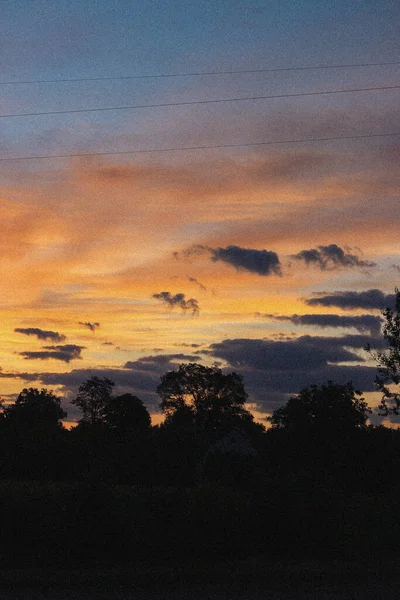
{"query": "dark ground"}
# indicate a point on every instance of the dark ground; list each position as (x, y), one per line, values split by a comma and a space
(252, 579)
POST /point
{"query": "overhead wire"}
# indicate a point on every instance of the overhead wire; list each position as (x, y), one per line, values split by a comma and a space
(198, 102)
(206, 147)
(202, 73)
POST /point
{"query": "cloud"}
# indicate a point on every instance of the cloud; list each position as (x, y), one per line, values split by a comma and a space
(91, 326)
(185, 345)
(41, 334)
(273, 369)
(345, 341)
(167, 298)
(261, 262)
(194, 280)
(305, 353)
(64, 353)
(362, 323)
(331, 257)
(374, 299)
(160, 361)
(194, 250)
(140, 377)
(23, 376)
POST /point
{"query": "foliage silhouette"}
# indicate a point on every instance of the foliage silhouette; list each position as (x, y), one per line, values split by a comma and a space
(332, 407)
(126, 415)
(94, 398)
(111, 442)
(35, 408)
(204, 400)
(33, 441)
(204, 406)
(388, 361)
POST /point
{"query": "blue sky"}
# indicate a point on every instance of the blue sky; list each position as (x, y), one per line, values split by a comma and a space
(44, 38)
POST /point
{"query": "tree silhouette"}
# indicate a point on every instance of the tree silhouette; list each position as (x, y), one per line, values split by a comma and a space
(388, 361)
(94, 398)
(33, 438)
(332, 407)
(204, 399)
(127, 415)
(35, 408)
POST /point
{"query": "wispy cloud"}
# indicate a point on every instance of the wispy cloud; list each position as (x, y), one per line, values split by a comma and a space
(91, 326)
(64, 353)
(374, 298)
(179, 300)
(195, 281)
(362, 323)
(41, 334)
(331, 257)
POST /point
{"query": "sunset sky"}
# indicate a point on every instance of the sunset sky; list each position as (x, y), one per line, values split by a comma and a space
(271, 259)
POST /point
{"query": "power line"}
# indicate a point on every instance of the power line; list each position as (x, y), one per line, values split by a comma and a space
(201, 74)
(210, 147)
(196, 102)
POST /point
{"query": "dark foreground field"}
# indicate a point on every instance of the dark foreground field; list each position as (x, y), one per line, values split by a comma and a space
(251, 579)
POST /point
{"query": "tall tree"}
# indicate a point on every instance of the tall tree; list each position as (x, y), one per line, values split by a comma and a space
(204, 398)
(388, 361)
(94, 398)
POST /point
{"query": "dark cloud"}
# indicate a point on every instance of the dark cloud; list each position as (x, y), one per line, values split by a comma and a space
(64, 353)
(271, 388)
(274, 369)
(160, 361)
(363, 323)
(179, 300)
(138, 382)
(41, 334)
(305, 352)
(331, 257)
(345, 341)
(140, 377)
(374, 299)
(271, 369)
(91, 326)
(261, 262)
(23, 376)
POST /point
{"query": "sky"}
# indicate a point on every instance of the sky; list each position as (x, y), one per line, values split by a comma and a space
(226, 227)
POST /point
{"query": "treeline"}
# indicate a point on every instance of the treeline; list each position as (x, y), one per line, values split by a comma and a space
(207, 483)
(207, 436)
